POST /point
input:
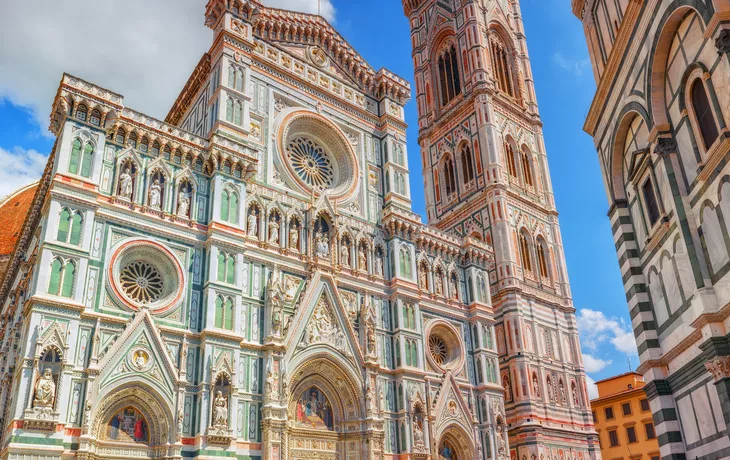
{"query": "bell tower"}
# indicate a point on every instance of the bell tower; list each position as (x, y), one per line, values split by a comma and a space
(486, 177)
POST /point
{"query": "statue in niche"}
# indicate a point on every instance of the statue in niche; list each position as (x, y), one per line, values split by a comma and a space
(454, 288)
(45, 390)
(379, 264)
(275, 296)
(253, 224)
(575, 396)
(439, 284)
(125, 184)
(535, 386)
(345, 255)
(562, 393)
(507, 388)
(220, 411)
(183, 202)
(156, 195)
(501, 449)
(418, 438)
(273, 231)
(362, 259)
(423, 278)
(294, 238)
(271, 391)
(323, 244)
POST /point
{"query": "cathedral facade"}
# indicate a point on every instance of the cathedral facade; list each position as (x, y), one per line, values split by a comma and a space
(659, 122)
(246, 279)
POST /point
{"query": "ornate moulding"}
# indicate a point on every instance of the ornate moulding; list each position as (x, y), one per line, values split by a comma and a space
(143, 274)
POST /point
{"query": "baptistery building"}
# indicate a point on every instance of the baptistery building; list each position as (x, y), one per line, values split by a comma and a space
(246, 279)
(659, 120)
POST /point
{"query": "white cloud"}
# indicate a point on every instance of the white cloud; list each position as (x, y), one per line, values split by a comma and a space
(593, 364)
(144, 50)
(597, 329)
(20, 167)
(592, 388)
(577, 67)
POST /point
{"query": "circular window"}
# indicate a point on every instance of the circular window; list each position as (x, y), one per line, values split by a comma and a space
(437, 347)
(145, 274)
(316, 155)
(311, 163)
(141, 282)
(444, 346)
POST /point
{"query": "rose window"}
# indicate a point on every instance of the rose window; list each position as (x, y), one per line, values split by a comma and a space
(311, 163)
(141, 282)
(437, 347)
(146, 274)
(445, 350)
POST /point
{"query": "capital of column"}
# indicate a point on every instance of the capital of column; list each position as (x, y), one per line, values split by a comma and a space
(722, 42)
(719, 367)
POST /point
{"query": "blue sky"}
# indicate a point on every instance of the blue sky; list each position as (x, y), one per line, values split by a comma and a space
(149, 61)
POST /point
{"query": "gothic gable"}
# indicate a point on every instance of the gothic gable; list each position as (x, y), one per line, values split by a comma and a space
(139, 354)
(450, 406)
(321, 321)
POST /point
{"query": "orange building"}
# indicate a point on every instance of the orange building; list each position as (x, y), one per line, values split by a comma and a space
(623, 420)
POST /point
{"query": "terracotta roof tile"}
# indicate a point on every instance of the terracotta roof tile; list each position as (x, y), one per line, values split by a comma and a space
(13, 210)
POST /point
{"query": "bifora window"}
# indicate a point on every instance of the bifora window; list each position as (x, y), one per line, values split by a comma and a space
(449, 74)
(311, 162)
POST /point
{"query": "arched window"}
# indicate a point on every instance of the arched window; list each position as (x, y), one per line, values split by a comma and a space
(467, 164)
(229, 206)
(501, 64)
(448, 73)
(232, 76)
(224, 313)
(525, 252)
(509, 154)
(449, 176)
(95, 118)
(542, 258)
(69, 227)
(155, 148)
(405, 262)
(62, 278)
(144, 145)
(238, 113)
(82, 112)
(239, 79)
(119, 138)
(80, 163)
(132, 141)
(527, 168)
(229, 110)
(703, 114)
(226, 268)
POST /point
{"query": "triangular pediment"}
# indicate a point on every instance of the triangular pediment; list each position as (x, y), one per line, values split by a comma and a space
(320, 58)
(321, 321)
(139, 354)
(451, 407)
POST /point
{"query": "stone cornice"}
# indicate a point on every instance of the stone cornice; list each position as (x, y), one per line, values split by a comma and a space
(612, 65)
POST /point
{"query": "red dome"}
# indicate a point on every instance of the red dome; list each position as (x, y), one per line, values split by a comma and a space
(13, 210)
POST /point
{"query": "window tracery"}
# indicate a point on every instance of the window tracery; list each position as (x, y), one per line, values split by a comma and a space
(501, 64)
(448, 74)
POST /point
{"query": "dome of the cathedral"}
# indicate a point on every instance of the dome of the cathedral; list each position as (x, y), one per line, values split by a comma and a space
(13, 210)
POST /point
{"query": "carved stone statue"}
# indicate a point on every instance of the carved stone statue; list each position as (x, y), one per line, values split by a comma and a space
(323, 244)
(535, 386)
(156, 195)
(345, 255)
(294, 239)
(439, 284)
(125, 184)
(273, 232)
(418, 438)
(45, 390)
(275, 296)
(271, 390)
(501, 448)
(575, 397)
(379, 265)
(422, 279)
(253, 225)
(220, 410)
(362, 259)
(562, 394)
(183, 203)
(454, 288)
